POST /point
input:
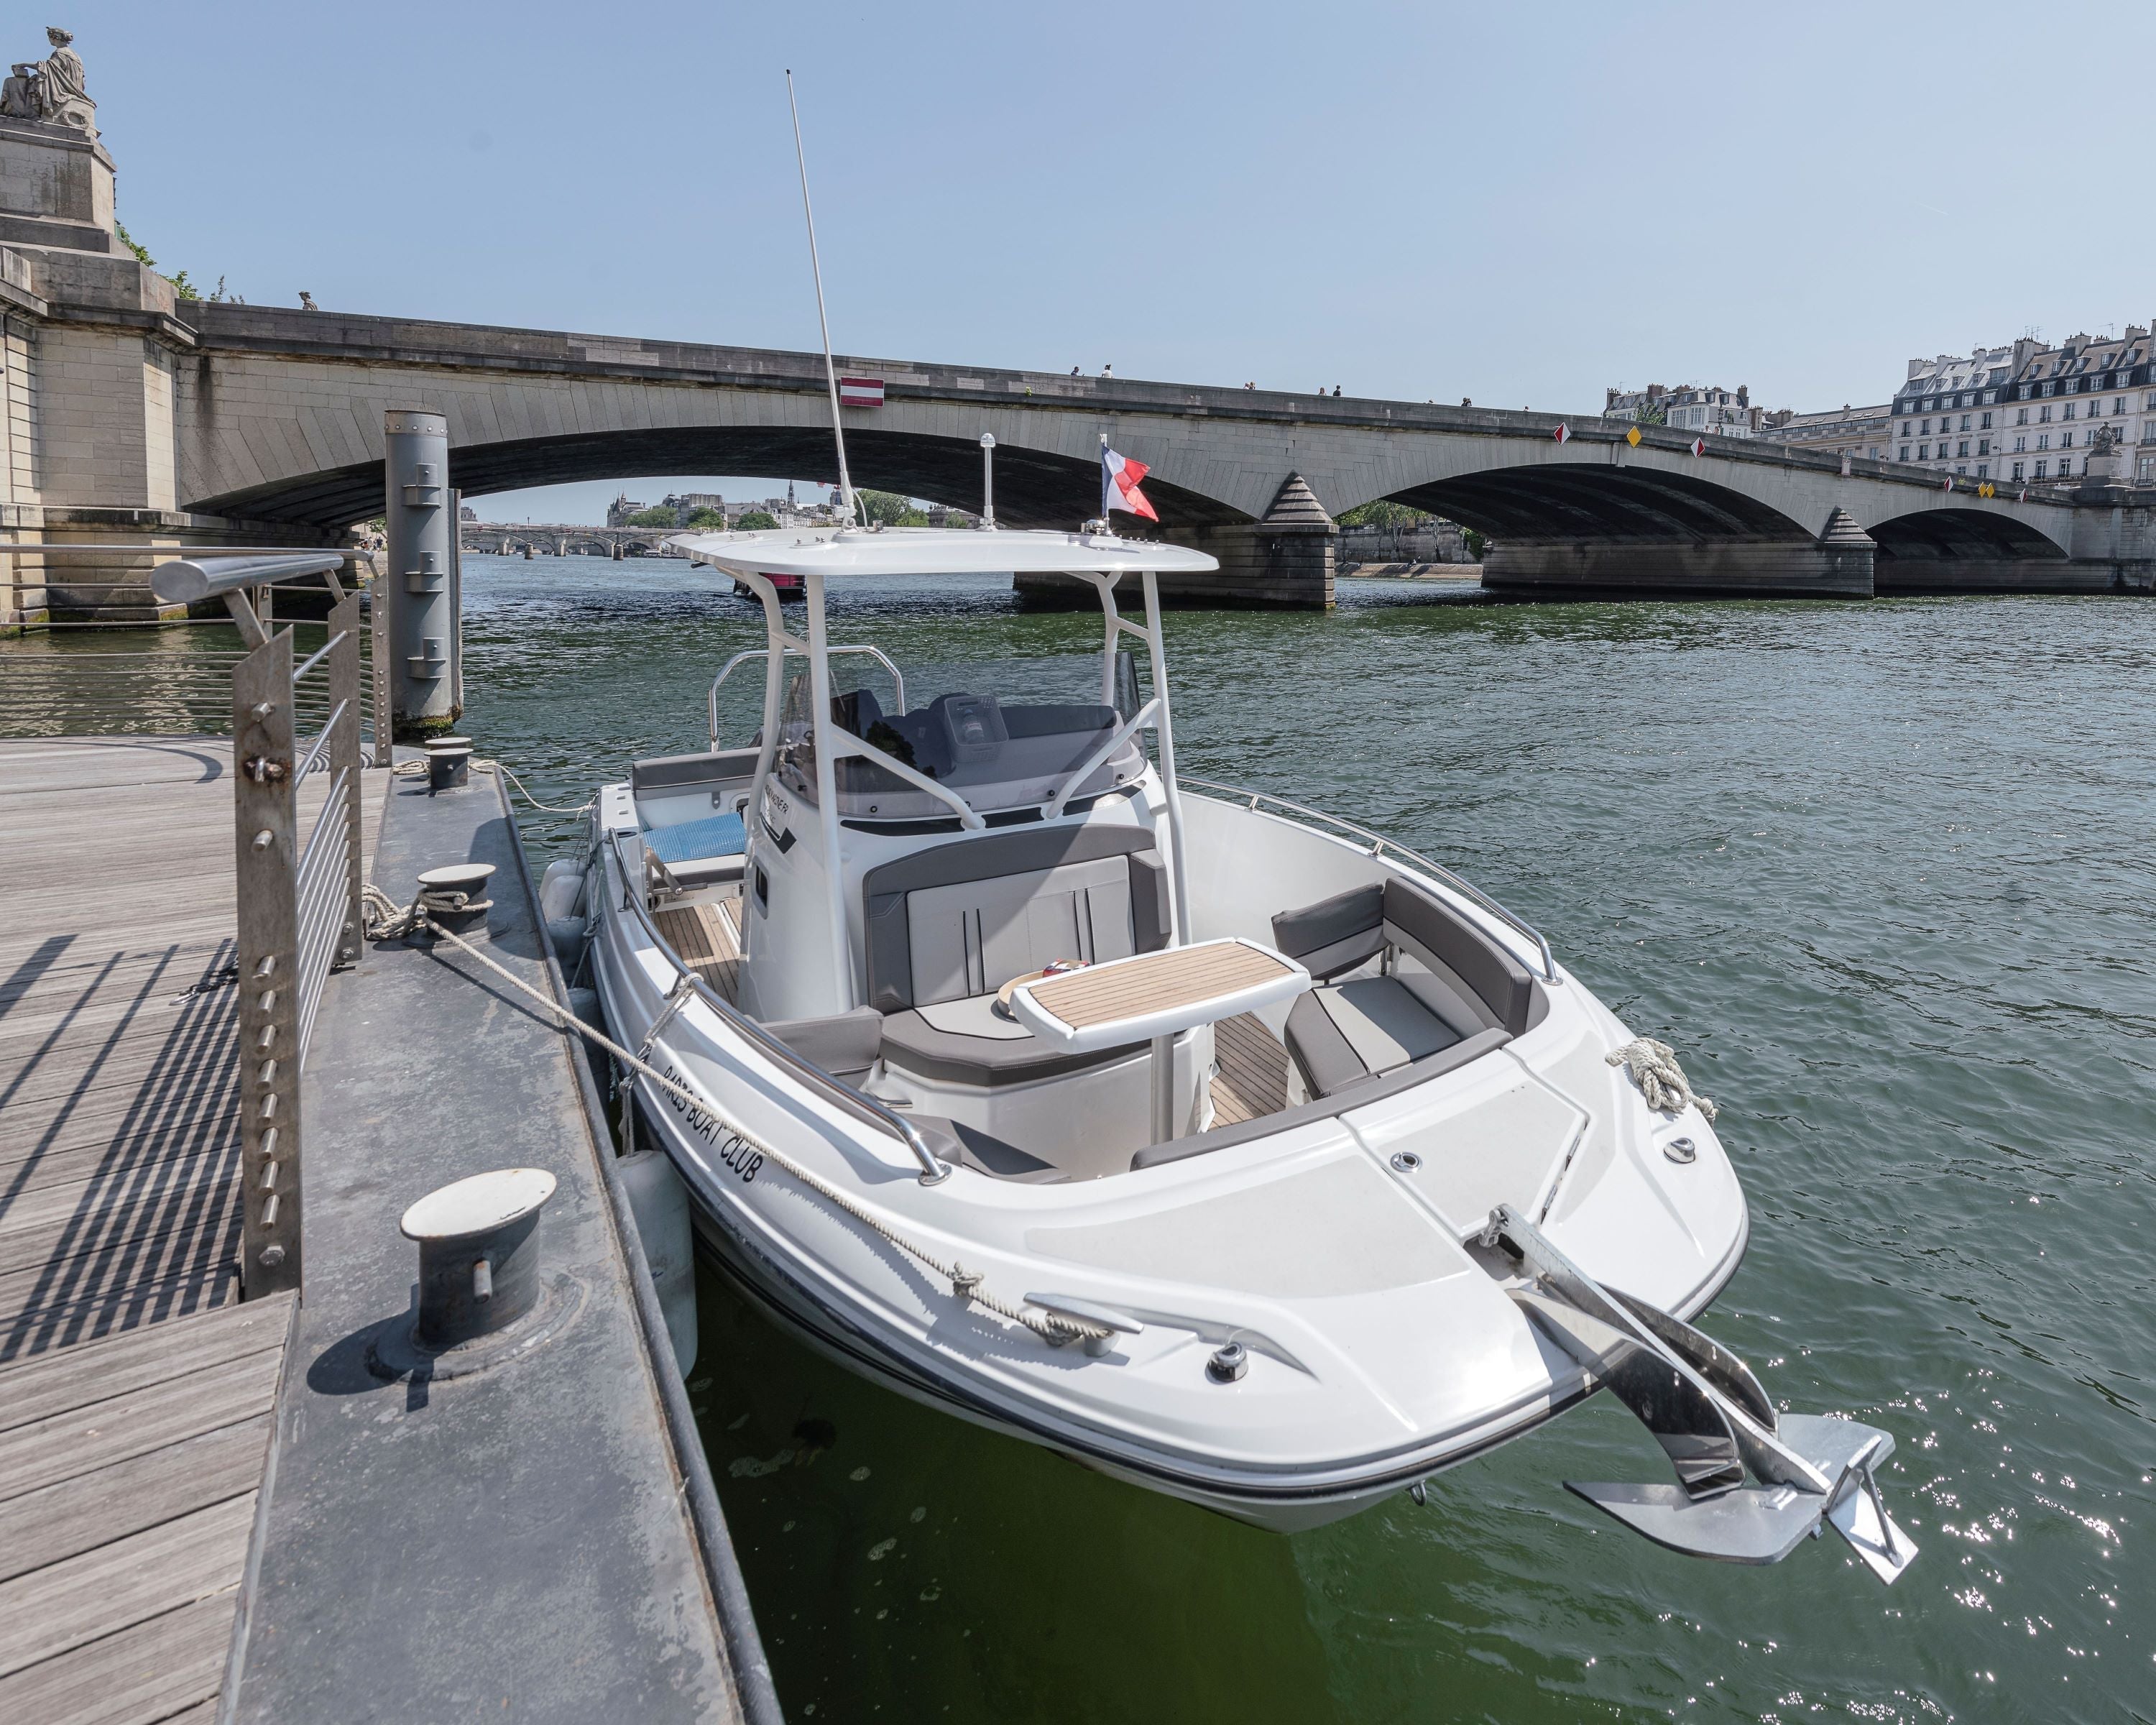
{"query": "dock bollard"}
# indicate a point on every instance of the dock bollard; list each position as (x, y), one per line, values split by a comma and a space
(449, 762)
(469, 878)
(479, 1253)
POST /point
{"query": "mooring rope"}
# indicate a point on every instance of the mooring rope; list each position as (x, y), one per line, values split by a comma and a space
(387, 921)
(417, 769)
(1653, 1066)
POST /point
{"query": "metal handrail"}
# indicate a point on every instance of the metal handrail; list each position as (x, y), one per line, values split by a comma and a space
(1380, 843)
(836, 1090)
(318, 655)
(897, 676)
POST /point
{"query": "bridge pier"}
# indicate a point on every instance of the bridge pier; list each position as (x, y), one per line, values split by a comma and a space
(1286, 561)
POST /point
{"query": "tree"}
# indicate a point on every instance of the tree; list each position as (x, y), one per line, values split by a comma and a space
(1383, 513)
(707, 517)
(654, 517)
(884, 509)
(756, 520)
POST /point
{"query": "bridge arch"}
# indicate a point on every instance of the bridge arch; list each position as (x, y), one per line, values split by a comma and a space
(1034, 487)
(1948, 549)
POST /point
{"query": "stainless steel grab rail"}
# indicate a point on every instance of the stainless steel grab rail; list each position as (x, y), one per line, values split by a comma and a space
(862, 1107)
(1380, 844)
(897, 677)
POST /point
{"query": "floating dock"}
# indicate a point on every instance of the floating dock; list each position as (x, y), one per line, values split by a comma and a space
(228, 1508)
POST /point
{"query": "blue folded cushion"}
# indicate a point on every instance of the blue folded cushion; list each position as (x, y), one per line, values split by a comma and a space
(693, 840)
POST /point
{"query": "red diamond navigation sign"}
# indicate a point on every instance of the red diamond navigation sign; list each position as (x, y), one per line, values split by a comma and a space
(1699, 446)
(1562, 434)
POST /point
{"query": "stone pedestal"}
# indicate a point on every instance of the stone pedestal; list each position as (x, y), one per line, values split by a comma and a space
(55, 187)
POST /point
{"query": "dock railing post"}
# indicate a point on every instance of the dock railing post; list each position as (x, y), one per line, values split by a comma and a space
(265, 853)
(345, 762)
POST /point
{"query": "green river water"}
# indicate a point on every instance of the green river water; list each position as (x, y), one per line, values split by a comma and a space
(1881, 871)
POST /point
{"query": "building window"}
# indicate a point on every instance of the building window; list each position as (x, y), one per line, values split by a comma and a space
(2018, 466)
(1963, 449)
(1872, 453)
(2146, 473)
(2119, 406)
(1985, 423)
(1924, 452)
(2020, 444)
(2069, 413)
(1905, 453)
(1964, 467)
(1964, 422)
(2043, 439)
(2020, 416)
(2050, 388)
(1983, 471)
(2043, 416)
(1984, 446)
(2040, 469)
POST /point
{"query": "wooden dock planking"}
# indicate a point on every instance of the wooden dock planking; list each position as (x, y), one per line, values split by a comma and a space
(136, 1393)
(128, 1475)
(118, 1083)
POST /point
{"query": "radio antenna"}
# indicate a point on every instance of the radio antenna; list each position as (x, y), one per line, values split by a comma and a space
(816, 269)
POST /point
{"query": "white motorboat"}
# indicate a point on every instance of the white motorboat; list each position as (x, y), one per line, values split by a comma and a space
(1218, 1143)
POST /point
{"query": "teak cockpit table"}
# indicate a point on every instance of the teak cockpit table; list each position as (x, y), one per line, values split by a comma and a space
(1151, 998)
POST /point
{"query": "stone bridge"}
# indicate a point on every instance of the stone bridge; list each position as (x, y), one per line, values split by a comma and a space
(280, 417)
(131, 416)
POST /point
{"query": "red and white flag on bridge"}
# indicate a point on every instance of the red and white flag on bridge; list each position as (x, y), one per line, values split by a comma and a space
(1119, 484)
(860, 391)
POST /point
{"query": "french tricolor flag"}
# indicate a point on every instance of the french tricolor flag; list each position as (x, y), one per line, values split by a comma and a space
(1119, 484)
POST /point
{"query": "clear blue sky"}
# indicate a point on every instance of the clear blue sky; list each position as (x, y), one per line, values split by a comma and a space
(1520, 204)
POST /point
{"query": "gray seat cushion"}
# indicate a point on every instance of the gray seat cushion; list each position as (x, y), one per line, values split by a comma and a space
(844, 1044)
(1336, 934)
(1352, 1032)
(963, 918)
(967, 1042)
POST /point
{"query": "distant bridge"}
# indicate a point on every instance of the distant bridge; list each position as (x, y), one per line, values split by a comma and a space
(561, 539)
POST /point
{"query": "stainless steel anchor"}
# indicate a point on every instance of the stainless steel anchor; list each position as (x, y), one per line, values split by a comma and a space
(1713, 1421)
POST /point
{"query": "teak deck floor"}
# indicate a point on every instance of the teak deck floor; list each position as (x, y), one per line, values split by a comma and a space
(119, 1157)
(706, 938)
(1252, 1081)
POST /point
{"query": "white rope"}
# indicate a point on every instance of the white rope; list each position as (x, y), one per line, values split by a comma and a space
(387, 921)
(417, 769)
(1654, 1067)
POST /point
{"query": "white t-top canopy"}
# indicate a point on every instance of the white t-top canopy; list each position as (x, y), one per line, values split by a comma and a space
(936, 550)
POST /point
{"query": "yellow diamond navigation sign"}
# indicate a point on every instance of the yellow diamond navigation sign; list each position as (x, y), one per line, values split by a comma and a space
(1987, 490)
(1632, 437)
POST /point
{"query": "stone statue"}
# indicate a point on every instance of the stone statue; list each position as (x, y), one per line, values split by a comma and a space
(52, 90)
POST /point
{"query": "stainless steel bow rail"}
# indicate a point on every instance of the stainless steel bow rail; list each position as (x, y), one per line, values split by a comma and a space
(1714, 1422)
